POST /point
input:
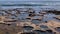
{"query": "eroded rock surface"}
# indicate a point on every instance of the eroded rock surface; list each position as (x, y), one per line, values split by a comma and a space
(27, 21)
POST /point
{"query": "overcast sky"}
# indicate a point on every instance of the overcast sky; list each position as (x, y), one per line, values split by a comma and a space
(29, 0)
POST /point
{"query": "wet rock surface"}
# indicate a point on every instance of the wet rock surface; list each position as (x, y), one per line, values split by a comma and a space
(54, 11)
(27, 21)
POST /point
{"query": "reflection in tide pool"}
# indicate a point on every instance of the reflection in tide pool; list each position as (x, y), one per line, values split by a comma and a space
(48, 17)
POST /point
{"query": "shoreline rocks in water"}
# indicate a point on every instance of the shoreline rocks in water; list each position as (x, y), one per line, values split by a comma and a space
(54, 12)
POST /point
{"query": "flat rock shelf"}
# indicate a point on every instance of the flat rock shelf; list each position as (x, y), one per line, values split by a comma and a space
(29, 21)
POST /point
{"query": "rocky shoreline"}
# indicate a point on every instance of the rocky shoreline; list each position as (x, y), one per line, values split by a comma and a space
(27, 21)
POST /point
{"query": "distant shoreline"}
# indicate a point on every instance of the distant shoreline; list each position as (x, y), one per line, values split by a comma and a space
(22, 5)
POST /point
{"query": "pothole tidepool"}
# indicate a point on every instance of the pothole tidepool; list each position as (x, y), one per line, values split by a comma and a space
(39, 32)
(57, 29)
(28, 28)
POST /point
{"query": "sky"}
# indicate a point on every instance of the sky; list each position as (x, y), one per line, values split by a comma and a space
(29, 0)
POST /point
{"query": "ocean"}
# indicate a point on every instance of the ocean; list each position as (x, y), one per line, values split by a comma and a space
(38, 5)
